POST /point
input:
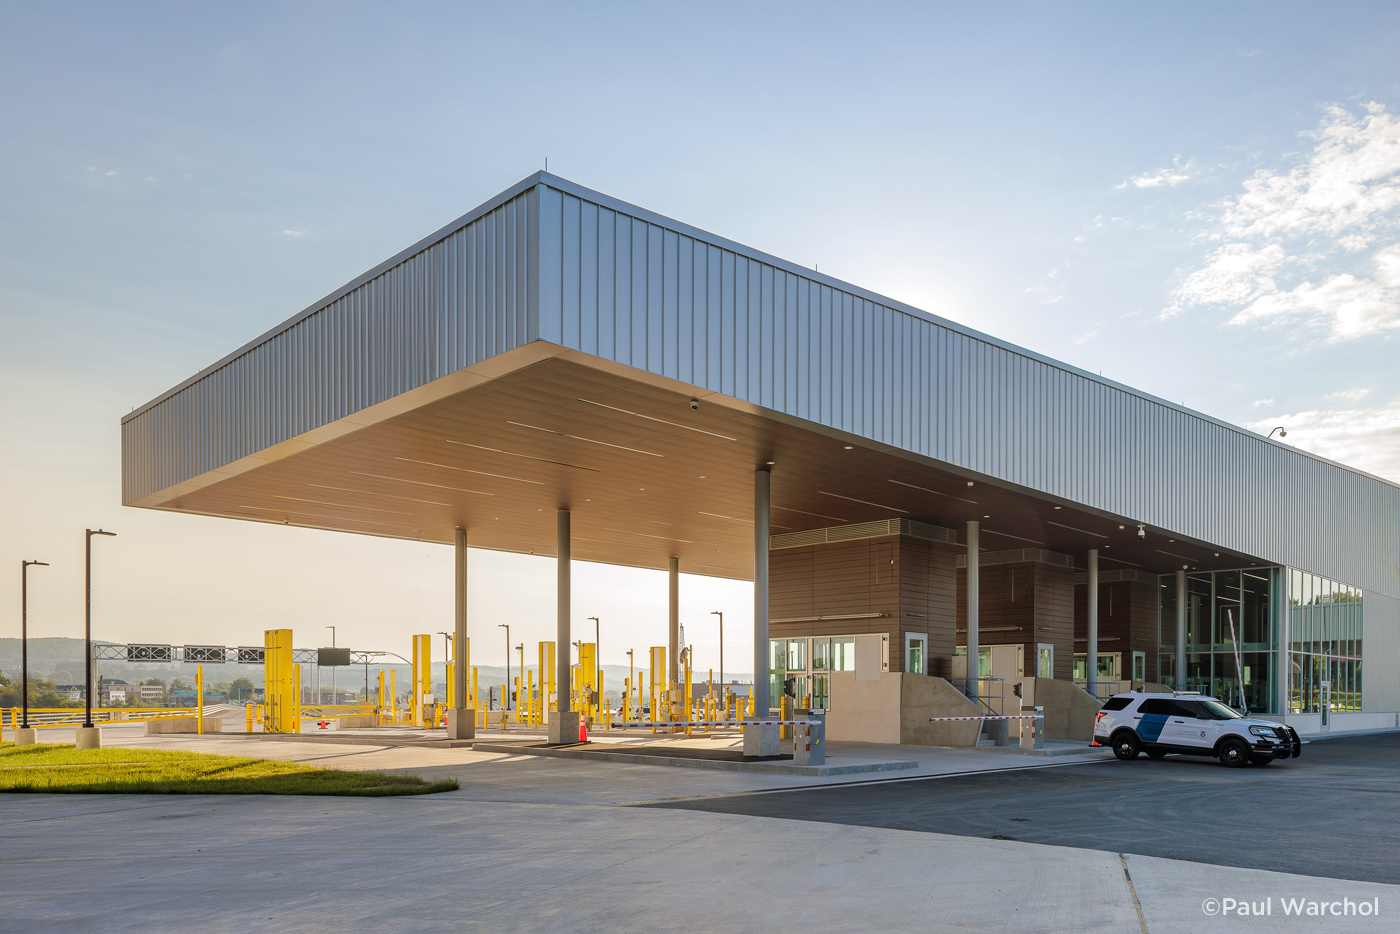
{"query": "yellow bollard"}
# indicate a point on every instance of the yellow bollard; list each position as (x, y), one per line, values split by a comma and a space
(393, 695)
(379, 708)
(296, 708)
(248, 713)
(199, 699)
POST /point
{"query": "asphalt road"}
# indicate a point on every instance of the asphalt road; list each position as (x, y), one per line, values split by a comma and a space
(1335, 811)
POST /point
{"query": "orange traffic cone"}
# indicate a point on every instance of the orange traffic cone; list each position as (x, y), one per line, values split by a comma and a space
(582, 730)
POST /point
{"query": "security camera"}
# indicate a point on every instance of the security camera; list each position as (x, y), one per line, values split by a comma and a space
(694, 404)
(1142, 532)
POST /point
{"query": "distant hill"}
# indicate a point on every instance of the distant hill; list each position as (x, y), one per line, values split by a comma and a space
(61, 659)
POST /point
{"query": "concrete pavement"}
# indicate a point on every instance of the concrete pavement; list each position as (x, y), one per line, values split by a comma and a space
(535, 844)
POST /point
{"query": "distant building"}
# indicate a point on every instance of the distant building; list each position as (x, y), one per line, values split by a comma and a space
(70, 691)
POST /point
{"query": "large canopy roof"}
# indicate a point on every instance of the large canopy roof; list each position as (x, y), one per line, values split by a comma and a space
(556, 348)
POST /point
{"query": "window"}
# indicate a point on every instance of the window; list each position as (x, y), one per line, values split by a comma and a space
(843, 653)
(1156, 705)
(1045, 662)
(915, 648)
(1191, 710)
(821, 654)
(1117, 703)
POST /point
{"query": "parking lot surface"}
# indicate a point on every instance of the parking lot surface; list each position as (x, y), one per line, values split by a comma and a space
(1335, 811)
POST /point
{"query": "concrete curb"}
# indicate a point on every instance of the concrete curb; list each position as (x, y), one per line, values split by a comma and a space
(779, 768)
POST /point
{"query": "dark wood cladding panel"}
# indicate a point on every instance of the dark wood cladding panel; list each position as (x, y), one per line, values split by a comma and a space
(1026, 603)
(910, 580)
(1127, 622)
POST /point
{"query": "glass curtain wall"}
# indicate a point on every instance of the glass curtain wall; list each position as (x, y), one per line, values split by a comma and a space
(1324, 651)
(1230, 636)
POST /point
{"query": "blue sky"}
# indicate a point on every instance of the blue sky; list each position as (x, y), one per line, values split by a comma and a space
(1201, 202)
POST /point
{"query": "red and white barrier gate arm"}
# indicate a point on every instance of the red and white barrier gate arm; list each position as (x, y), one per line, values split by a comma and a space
(1009, 716)
(633, 724)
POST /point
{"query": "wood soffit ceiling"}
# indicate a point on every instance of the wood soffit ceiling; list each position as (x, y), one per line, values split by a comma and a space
(645, 478)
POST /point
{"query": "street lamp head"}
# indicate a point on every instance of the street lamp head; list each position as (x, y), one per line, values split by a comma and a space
(40, 563)
(92, 532)
(716, 612)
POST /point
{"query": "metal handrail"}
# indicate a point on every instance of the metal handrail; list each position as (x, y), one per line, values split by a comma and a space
(981, 699)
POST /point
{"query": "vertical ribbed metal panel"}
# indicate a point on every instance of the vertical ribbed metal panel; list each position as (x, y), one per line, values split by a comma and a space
(551, 260)
(460, 299)
(669, 299)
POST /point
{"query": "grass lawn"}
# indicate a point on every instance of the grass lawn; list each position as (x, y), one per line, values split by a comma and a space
(60, 768)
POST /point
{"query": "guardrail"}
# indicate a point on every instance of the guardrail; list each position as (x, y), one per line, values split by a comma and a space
(52, 718)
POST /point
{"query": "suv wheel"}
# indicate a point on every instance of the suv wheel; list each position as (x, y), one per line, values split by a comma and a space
(1126, 745)
(1234, 754)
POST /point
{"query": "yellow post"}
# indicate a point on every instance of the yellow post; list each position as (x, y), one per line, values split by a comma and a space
(450, 696)
(279, 683)
(422, 676)
(379, 708)
(476, 704)
(199, 700)
(604, 712)
(296, 709)
(530, 698)
(393, 695)
(248, 713)
(587, 676)
(660, 707)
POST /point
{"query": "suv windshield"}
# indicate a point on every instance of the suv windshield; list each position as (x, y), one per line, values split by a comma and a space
(1219, 710)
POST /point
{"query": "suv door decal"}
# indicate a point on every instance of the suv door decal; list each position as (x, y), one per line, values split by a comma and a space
(1154, 717)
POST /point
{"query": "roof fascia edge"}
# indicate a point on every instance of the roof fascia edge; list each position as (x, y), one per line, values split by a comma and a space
(442, 233)
(661, 220)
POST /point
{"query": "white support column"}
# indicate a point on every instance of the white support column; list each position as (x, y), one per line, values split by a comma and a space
(674, 629)
(974, 530)
(564, 727)
(1180, 631)
(1091, 660)
(461, 719)
(760, 740)
(1284, 664)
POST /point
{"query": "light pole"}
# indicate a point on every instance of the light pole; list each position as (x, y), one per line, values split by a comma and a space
(505, 688)
(597, 649)
(631, 686)
(333, 669)
(720, 614)
(87, 620)
(24, 635)
(521, 649)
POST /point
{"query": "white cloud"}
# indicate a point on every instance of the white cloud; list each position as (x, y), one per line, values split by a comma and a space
(1287, 227)
(294, 233)
(1347, 395)
(1175, 174)
(1367, 439)
(1261, 402)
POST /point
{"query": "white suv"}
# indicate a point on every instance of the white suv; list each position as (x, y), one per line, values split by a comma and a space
(1191, 724)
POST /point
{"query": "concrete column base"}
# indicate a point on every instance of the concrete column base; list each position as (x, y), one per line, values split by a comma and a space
(89, 737)
(26, 736)
(761, 740)
(563, 727)
(461, 723)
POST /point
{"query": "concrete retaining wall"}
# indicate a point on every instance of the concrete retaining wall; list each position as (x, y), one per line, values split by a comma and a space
(183, 725)
(864, 711)
(922, 697)
(1069, 709)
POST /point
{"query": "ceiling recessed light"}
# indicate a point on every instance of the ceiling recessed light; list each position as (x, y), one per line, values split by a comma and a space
(702, 476)
(1217, 554)
(1122, 527)
(1171, 540)
(770, 463)
(1057, 507)
(848, 447)
(986, 517)
(641, 489)
(969, 483)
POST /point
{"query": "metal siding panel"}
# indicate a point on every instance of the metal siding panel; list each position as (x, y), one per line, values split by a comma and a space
(647, 292)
